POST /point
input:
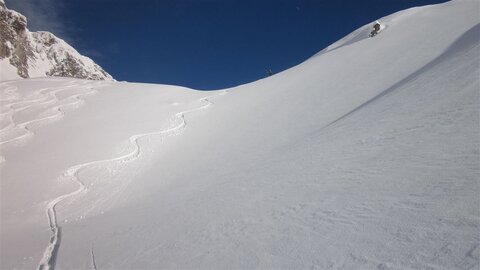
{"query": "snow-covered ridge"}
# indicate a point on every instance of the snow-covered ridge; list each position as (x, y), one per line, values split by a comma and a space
(363, 157)
(25, 54)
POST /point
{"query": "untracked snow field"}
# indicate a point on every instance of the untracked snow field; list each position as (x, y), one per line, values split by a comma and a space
(365, 156)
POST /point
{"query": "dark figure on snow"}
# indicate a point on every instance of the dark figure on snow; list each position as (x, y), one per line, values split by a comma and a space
(269, 72)
(376, 29)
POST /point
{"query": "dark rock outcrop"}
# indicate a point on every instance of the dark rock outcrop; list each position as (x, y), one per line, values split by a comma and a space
(37, 54)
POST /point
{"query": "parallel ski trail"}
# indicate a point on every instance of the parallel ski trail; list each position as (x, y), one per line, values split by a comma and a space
(58, 114)
(49, 97)
(49, 258)
(44, 98)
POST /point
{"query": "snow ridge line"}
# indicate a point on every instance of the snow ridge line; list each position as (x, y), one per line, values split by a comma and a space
(49, 257)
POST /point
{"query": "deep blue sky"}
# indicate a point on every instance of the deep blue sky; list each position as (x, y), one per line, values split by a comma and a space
(202, 44)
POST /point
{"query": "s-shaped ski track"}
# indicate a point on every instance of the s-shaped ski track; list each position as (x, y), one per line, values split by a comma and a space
(49, 257)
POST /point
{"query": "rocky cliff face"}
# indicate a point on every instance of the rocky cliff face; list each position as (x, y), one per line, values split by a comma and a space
(25, 54)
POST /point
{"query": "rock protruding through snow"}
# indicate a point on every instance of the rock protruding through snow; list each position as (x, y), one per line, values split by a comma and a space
(25, 54)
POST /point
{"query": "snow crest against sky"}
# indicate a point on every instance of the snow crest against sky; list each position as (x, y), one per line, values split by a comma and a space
(202, 44)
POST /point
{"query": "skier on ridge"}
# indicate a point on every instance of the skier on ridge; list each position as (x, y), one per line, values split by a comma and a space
(376, 29)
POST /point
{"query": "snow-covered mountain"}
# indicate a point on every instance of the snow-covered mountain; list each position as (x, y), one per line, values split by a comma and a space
(366, 156)
(25, 54)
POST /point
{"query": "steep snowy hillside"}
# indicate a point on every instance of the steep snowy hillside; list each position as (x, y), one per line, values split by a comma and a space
(25, 54)
(366, 156)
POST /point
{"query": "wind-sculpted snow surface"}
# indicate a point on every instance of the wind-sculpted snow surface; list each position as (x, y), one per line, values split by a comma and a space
(28, 105)
(45, 100)
(49, 257)
(366, 156)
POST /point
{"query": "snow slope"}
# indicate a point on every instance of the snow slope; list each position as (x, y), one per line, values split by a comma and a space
(365, 156)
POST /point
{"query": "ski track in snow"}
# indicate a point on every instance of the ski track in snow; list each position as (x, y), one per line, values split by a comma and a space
(49, 258)
(92, 255)
(45, 98)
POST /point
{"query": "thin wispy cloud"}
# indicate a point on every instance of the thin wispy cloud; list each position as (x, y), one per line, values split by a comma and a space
(41, 15)
(49, 15)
